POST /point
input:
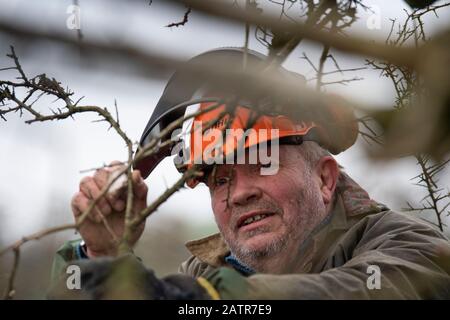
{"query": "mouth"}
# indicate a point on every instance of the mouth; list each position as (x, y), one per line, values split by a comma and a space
(253, 218)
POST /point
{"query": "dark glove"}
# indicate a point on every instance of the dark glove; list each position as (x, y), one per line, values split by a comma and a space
(127, 278)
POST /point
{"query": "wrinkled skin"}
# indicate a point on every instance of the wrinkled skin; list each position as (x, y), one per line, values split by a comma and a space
(297, 198)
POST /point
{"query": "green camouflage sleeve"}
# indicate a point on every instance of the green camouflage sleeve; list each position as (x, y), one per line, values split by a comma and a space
(67, 252)
(413, 261)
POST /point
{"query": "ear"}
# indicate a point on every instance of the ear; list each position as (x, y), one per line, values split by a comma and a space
(327, 172)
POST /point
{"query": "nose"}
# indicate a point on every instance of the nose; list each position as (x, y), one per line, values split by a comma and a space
(244, 188)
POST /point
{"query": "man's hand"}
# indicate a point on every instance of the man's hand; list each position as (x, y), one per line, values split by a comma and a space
(105, 223)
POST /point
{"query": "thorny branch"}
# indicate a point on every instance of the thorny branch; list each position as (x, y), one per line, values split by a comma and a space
(437, 199)
(52, 87)
(182, 22)
(406, 83)
(321, 13)
(334, 16)
(43, 85)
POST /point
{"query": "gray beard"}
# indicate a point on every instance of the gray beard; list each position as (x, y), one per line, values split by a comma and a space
(250, 257)
(298, 231)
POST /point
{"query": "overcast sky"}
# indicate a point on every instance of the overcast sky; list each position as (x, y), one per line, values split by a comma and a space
(41, 163)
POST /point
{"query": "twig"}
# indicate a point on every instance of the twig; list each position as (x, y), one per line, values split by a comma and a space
(323, 57)
(400, 56)
(10, 291)
(182, 22)
(343, 81)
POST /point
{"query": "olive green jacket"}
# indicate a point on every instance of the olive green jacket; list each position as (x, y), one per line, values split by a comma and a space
(362, 250)
(340, 259)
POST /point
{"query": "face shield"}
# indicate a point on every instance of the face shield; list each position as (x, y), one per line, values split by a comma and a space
(216, 126)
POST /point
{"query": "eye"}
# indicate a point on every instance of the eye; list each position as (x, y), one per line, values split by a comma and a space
(220, 181)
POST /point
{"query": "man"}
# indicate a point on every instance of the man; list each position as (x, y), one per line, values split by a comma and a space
(305, 231)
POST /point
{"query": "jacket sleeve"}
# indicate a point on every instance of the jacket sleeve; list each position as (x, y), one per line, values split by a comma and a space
(412, 258)
(66, 253)
(69, 251)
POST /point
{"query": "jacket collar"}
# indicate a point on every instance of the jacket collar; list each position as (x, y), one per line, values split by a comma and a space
(211, 249)
(350, 201)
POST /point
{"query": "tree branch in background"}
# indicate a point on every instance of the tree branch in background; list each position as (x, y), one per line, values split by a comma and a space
(325, 23)
(437, 199)
(353, 44)
(10, 291)
(409, 89)
(51, 87)
(182, 22)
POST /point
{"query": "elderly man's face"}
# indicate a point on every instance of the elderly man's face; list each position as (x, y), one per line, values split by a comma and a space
(266, 217)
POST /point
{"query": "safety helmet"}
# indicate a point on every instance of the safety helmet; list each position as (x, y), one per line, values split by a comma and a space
(202, 99)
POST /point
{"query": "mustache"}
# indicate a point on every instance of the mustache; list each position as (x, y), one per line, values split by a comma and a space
(260, 205)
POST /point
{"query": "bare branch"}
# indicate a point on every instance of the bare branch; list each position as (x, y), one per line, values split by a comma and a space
(10, 291)
(182, 22)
